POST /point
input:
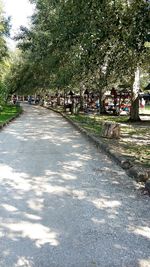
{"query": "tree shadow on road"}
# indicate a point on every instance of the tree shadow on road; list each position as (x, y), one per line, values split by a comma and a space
(66, 204)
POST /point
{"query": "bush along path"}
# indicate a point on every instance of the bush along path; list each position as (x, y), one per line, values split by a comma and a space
(131, 151)
(9, 113)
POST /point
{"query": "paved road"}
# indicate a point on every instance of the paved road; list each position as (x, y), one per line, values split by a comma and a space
(65, 204)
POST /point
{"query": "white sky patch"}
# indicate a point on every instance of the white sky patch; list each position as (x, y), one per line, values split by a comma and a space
(20, 12)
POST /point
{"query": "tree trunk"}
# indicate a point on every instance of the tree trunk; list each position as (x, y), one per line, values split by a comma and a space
(102, 103)
(110, 130)
(134, 113)
(64, 98)
(81, 98)
(58, 98)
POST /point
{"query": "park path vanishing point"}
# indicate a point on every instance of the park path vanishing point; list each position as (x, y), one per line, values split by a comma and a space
(63, 203)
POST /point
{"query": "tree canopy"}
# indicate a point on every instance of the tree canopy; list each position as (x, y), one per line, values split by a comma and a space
(4, 32)
(70, 42)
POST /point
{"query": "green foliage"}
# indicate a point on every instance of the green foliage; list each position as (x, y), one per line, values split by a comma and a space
(4, 32)
(8, 112)
(97, 43)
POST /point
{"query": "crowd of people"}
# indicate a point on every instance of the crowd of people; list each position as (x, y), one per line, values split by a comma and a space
(91, 102)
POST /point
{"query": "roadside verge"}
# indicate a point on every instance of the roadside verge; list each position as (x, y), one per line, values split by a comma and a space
(139, 173)
(8, 118)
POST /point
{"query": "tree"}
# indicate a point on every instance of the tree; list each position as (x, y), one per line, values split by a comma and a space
(133, 33)
(104, 41)
(4, 31)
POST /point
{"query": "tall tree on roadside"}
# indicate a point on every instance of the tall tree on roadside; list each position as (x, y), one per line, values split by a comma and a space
(133, 33)
(4, 31)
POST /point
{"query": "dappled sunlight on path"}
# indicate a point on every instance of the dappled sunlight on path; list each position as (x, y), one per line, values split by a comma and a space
(63, 202)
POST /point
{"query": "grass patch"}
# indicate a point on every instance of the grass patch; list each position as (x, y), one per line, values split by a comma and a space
(8, 112)
(118, 119)
(94, 122)
(140, 154)
(131, 131)
(88, 123)
(132, 143)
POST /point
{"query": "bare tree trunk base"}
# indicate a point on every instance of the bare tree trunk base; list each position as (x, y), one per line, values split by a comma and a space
(111, 130)
(134, 120)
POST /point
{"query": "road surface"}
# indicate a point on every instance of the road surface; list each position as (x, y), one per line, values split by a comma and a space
(63, 203)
